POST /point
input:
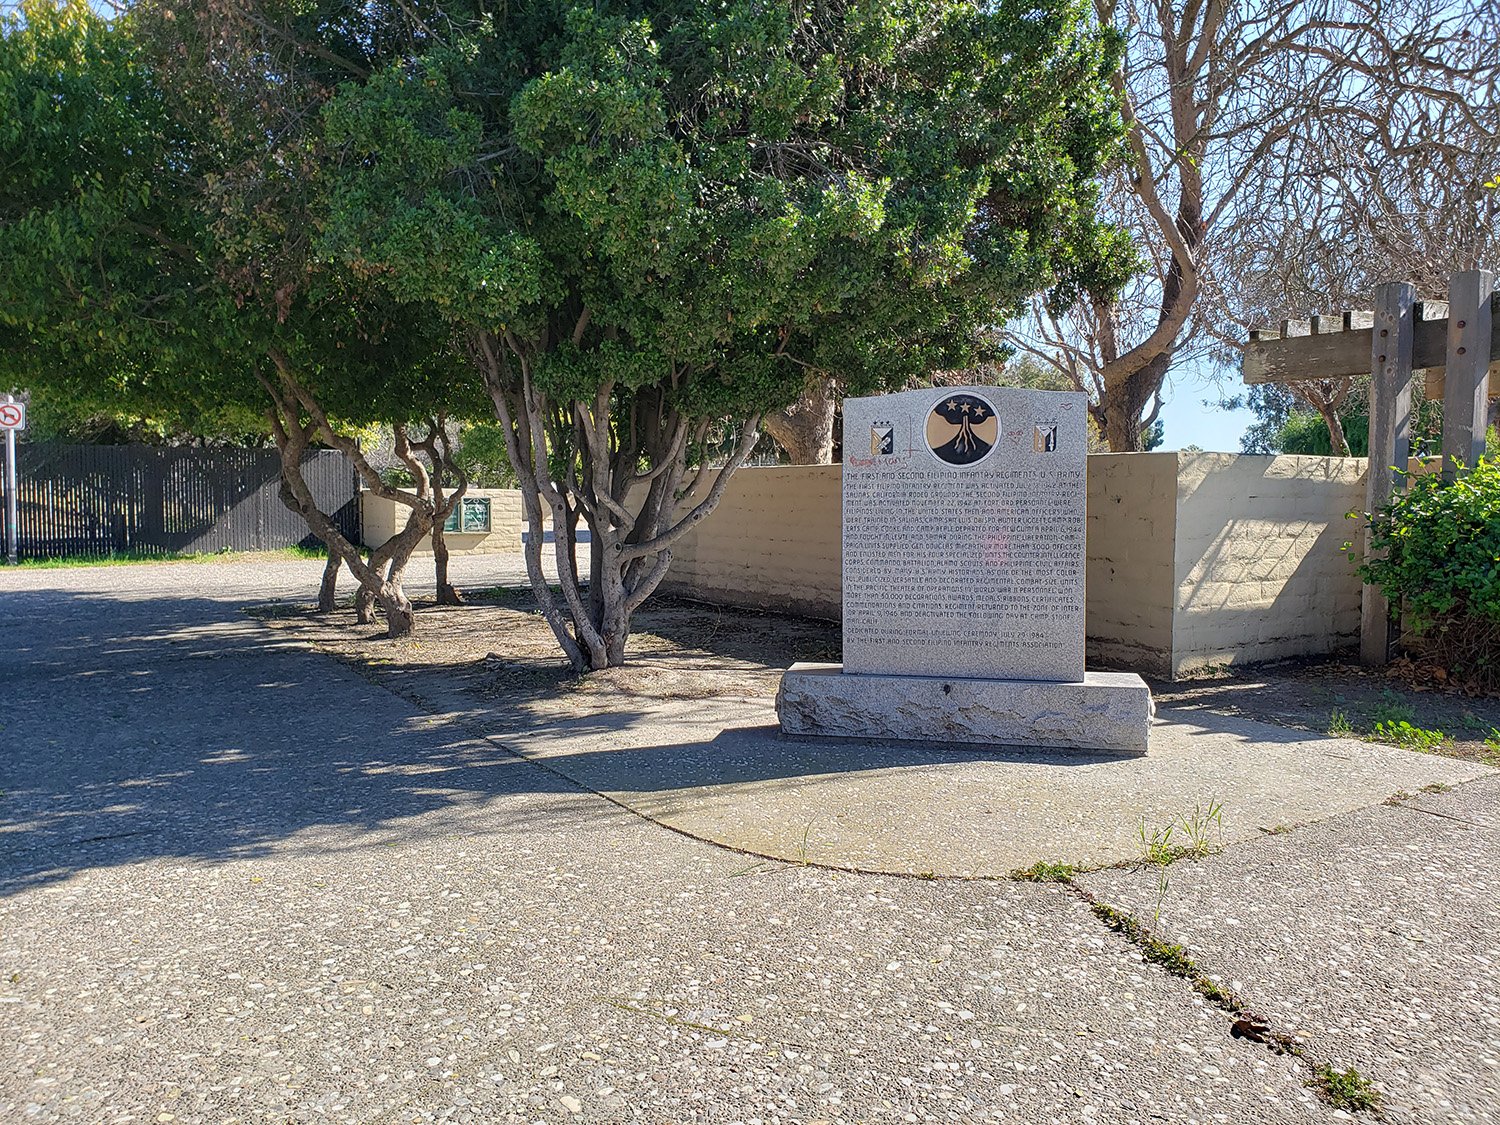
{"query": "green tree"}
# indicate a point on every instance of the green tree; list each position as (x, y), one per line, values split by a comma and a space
(1284, 423)
(96, 265)
(655, 221)
(138, 277)
(53, 417)
(1307, 433)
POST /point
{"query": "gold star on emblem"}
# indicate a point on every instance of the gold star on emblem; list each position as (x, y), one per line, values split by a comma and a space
(951, 404)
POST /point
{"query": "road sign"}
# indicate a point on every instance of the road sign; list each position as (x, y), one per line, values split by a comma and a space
(12, 418)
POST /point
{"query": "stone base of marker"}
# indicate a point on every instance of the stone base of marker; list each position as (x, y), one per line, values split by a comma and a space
(1108, 711)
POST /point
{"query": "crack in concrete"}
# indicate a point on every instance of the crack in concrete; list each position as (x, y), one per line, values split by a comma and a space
(1175, 961)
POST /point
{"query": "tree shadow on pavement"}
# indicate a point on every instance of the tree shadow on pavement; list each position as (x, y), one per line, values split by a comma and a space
(175, 727)
(147, 726)
(169, 726)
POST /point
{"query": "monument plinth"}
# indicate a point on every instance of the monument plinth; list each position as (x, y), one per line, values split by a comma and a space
(963, 587)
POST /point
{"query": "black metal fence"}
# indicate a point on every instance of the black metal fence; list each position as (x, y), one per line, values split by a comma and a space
(104, 499)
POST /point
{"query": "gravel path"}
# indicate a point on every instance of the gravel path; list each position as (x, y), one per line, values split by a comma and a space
(242, 883)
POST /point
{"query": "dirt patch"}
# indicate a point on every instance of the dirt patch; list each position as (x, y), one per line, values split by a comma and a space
(496, 653)
(1338, 696)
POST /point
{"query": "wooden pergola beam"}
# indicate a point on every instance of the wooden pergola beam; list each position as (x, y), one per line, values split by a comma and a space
(1468, 386)
(1456, 341)
(1331, 347)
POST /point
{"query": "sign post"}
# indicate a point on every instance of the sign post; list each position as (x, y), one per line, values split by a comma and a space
(12, 418)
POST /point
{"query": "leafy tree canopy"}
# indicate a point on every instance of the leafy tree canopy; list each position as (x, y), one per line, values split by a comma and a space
(96, 258)
(732, 192)
(646, 222)
(125, 290)
(152, 254)
(654, 219)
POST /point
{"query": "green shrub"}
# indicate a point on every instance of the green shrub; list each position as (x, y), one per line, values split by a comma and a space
(1304, 431)
(1436, 552)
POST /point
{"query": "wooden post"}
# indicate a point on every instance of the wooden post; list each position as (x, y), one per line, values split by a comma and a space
(1390, 440)
(1466, 383)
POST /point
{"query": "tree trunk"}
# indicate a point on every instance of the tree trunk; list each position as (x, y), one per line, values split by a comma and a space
(1337, 440)
(443, 506)
(329, 586)
(293, 437)
(621, 441)
(446, 594)
(382, 583)
(364, 605)
(400, 617)
(804, 430)
(374, 587)
(1121, 414)
(388, 562)
(442, 465)
(399, 605)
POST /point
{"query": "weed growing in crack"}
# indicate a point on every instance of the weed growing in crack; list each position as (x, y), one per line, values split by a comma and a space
(1199, 833)
(1044, 872)
(1161, 896)
(1170, 956)
(802, 853)
(1339, 725)
(1213, 990)
(1202, 823)
(1344, 1089)
(1156, 844)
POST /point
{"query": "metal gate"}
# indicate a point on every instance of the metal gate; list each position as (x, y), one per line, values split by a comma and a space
(90, 500)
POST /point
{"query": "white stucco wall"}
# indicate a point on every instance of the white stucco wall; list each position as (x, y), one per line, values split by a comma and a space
(1194, 559)
(1260, 573)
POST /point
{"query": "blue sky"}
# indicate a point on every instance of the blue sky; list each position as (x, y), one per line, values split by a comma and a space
(1189, 422)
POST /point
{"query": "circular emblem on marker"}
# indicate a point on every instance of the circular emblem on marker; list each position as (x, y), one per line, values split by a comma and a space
(961, 429)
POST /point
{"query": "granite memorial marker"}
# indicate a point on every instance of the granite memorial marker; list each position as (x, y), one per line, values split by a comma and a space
(964, 570)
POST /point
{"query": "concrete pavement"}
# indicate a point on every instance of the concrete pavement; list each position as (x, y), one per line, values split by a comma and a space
(242, 883)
